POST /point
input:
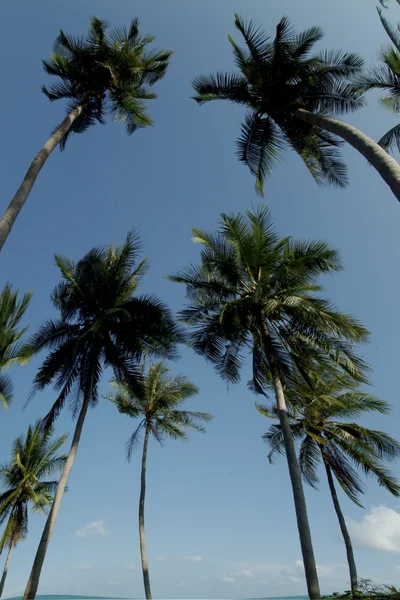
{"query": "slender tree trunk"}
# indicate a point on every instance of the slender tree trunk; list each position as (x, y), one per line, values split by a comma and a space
(33, 583)
(345, 533)
(387, 167)
(142, 536)
(303, 525)
(4, 577)
(21, 196)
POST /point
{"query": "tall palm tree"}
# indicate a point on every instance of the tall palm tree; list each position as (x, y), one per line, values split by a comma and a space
(98, 74)
(321, 413)
(34, 458)
(157, 406)
(103, 323)
(386, 77)
(12, 309)
(254, 291)
(291, 97)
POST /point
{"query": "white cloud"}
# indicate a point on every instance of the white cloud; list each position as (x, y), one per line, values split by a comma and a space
(194, 558)
(86, 566)
(161, 558)
(324, 571)
(379, 529)
(228, 579)
(242, 573)
(130, 567)
(97, 528)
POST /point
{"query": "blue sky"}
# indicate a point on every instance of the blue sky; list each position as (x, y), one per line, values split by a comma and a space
(220, 519)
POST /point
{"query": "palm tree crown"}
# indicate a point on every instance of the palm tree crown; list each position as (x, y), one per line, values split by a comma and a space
(386, 78)
(250, 284)
(11, 312)
(106, 74)
(157, 406)
(277, 77)
(34, 458)
(103, 323)
(322, 413)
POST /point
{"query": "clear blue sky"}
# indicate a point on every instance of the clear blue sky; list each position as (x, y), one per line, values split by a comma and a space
(220, 519)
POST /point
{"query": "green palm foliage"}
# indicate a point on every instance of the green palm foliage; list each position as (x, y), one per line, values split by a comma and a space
(103, 323)
(385, 77)
(106, 73)
(256, 293)
(34, 458)
(322, 413)
(12, 309)
(275, 78)
(157, 407)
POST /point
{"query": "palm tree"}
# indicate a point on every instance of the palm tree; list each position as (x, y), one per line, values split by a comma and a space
(98, 74)
(255, 291)
(321, 421)
(103, 323)
(386, 77)
(290, 97)
(34, 458)
(12, 310)
(157, 406)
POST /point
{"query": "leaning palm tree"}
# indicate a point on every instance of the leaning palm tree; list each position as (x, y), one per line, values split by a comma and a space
(12, 309)
(103, 323)
(320, 416)
(157, 406)
(99, 74)
(255, 291)
(34, 457)
(291, 97)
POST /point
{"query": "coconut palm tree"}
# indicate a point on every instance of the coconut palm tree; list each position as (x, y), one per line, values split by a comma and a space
(98, 75)
(12, 309)
(386, 77)
(34, 458)
(291, 97)
(157, 407)
(253, 291)
(321, 413)
(103, 323)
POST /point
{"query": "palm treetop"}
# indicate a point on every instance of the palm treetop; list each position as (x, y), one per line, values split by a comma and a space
(12, 309)
(275, 78)
(103, 322)
(324, 414)
(106, 73)
(34, 458)
(251, 283)
(157, 405)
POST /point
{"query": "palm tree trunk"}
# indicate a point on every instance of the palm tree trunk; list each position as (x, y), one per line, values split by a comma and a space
(345, 533)
(387, 167)
(33, 583)
(5, 571)
(142, 536)
(303, 525)
(21, 196)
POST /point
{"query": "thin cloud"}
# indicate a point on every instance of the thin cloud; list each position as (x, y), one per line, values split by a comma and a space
(97, 528)
(228, 579)
(194, 558)
(86, 566)
(162, 558)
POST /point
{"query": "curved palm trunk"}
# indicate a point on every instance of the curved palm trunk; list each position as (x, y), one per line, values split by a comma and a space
(387, 167)
(21, 196)
(345, 533)
(142, 536)
(5, 571)
(303, 525)
(33, 583)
